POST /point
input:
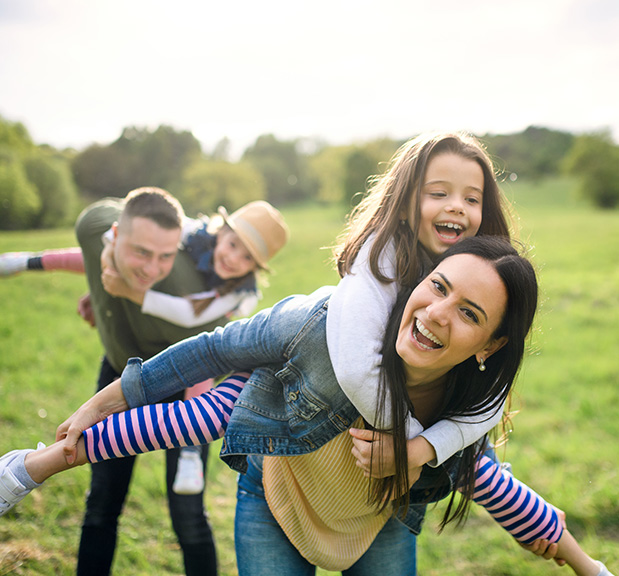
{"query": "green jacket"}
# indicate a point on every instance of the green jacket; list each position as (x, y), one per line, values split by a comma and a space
(124, 331)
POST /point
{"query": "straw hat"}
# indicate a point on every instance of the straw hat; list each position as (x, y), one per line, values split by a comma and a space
(260, 227)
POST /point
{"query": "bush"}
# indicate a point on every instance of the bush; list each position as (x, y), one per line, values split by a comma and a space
(594, 159)
(19, 201)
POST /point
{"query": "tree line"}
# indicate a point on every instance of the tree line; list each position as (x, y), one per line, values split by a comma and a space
(42, 187)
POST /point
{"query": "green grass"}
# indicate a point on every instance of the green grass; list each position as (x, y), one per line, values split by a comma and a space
(564, 440)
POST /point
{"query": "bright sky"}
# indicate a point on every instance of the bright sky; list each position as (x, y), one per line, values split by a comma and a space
(78, 71)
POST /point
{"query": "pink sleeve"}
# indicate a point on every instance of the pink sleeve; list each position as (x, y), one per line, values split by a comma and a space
(68, 259)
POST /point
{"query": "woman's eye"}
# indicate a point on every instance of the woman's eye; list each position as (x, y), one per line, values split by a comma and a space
(470, 315)
(473, 200)
(438, 286)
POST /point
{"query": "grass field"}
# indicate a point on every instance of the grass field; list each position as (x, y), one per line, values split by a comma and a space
(565, 440)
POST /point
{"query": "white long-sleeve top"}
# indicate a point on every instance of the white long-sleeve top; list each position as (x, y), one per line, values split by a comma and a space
(358, 313)
(179, 310)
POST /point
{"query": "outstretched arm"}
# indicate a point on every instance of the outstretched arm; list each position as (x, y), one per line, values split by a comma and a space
(356, 358)
(527, 516)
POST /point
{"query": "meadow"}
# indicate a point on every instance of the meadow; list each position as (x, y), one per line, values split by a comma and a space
(564, 441)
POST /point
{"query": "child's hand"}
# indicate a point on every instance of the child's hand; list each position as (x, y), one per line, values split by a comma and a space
(381, 464)
(107, 257)
(544, 548)
(115, 285)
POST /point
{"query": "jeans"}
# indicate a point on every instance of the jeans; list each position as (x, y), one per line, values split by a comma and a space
(108, 490)
(262, 548)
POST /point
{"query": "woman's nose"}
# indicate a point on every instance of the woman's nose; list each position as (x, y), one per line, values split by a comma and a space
(437, 312)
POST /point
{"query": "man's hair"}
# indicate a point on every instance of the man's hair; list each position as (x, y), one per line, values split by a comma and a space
(155, 204)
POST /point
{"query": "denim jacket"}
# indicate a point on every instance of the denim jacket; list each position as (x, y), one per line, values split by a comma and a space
(291, 404)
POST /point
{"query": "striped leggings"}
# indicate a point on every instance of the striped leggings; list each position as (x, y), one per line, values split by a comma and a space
(200, 420)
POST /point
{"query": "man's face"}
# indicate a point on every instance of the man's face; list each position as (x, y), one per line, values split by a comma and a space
(144, 252)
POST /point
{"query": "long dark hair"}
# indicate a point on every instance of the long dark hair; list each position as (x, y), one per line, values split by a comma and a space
(468, 392)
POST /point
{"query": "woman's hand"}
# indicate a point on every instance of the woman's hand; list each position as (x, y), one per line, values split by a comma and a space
(100, 406)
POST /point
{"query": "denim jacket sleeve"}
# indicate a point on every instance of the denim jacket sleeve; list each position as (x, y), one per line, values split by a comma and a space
(241, 345)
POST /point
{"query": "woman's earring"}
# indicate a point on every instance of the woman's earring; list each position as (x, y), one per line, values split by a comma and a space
(482, 366)
(403, 222)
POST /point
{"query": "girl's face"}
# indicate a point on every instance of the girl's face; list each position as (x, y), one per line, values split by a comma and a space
(451, 202)
(451, 316)
(230, 258)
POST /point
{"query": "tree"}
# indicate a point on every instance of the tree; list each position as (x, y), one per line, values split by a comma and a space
(328, 168)
(534, 153)
(14, 136)
(138, 158)
(56, 190)
(19, 202)
(594, 159)
(209, 184)
(285, 170)
(363, 162)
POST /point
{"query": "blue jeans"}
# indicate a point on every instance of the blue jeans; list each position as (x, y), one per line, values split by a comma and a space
(263, 549)
(108, 489)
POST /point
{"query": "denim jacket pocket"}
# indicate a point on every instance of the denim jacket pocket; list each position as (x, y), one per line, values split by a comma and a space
(302, 405)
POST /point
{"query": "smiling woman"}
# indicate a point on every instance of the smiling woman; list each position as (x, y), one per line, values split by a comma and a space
(453, 314)
(292, 334)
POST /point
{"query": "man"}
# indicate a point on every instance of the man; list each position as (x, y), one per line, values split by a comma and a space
(146, 235)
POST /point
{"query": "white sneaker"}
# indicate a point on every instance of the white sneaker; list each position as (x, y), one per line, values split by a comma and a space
(14, 262)
(603, 570)
(189, 474)
(12, 490)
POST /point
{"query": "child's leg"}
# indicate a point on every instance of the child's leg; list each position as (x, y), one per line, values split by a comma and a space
(193, 392)
(21, 471)
(69, 259)
(158, 426)
(189, 478)
(525, 515)
(196, 421)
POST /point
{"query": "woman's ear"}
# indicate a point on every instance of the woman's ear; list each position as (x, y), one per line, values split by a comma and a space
(493, 347)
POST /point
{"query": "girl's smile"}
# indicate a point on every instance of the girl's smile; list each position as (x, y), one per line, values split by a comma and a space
(231, 259)
(451, 202)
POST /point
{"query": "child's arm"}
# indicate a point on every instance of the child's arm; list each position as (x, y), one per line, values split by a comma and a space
(358, 313)
(527, 516)
(180, 311)
(359, 309)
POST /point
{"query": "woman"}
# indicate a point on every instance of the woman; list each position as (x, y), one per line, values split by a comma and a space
(477, 304)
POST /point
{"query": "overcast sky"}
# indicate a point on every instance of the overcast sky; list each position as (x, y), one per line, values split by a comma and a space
(78, 71)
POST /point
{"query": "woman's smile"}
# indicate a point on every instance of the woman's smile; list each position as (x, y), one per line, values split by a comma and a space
(426, 339)
(451, 316)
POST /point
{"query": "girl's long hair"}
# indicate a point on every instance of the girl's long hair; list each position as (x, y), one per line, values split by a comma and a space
(395, 194)
(469, 392)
